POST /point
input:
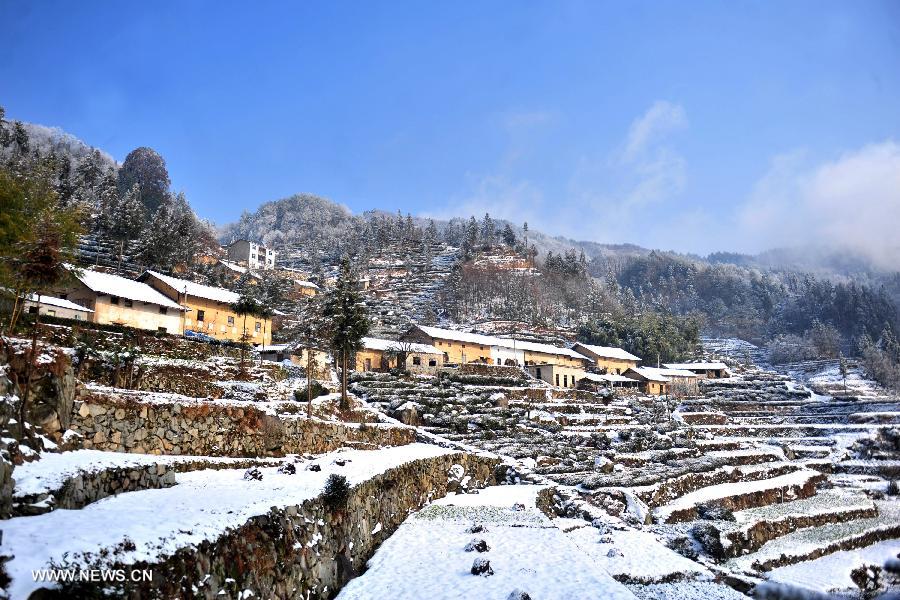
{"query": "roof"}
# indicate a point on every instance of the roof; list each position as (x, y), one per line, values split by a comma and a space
(272, 348)
(59, 302)
(608, 378)
(489, 340)
(677, 373)
(370, 343)
(308, 284)
(113, 285)
(650, 374)
(697, 366)
(608, 352)
(195, 289)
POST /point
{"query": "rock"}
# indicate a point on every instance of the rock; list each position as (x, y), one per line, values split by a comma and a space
(314, 467)
(714, 512)
(613, 553)
(518, 595)
(287, 469)
(707, 535)
(477, 546)
(253, 474)
(476, 528)
(482, 566)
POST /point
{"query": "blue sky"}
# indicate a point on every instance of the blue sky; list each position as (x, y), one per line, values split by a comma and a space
(686, 125)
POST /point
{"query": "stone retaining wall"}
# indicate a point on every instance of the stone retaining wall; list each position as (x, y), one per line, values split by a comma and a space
(123, 421)
(85, 488)
(310, 550)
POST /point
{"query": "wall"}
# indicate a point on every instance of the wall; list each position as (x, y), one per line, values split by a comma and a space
(215, 322)
(376, 356)
(59, 311)
(615, 366)
(532, 357)
(500, 355)
(567, 375)
(141, 315)
(127, 421)
(307, 551)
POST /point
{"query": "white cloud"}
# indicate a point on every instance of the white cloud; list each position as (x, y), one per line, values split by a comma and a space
(660, 120)
(852, 201)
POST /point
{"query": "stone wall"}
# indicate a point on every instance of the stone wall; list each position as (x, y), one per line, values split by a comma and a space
(85, 488)
(310, 550)
(125, 421)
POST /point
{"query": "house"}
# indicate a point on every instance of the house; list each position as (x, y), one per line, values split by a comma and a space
(683, 383)
(208, 309)
(564, 376)
(610, 380)
(459, 347)
(608, 359)
(305, 288)
(120, 301)
(382, 355)
(251, 254)
(57, 307)
(300, 285)
(233, 271)
(650, 380)
(704, 370)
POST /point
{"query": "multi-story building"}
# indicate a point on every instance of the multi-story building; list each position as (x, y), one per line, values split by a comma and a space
(251, 255)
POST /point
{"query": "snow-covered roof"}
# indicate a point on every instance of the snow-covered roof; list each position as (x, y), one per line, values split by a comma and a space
(370, 343)
(650, 374)
(272, 348)
(307, 284)
(676, 373)
(608, 378)
(113, 285)
(608, 352)
(58, 302)
(233, 266)
(697, 366)
(489, 340)
(195, 289)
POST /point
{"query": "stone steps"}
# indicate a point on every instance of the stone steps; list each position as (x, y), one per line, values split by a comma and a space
(742, 494)
(813, 542)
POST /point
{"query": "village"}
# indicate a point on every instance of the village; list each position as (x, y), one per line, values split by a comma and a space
(168, 435)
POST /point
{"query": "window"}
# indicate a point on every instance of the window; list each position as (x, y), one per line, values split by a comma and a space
(565, 381)
(231, 321)
(557, 380)
(63, 296)
(417, 360)
(258, 326)
(201, 315)
(128, 304)
(32, 310)
(432, 362)
(113, 299)
(163, 310)
(51, 312)
(539, 373)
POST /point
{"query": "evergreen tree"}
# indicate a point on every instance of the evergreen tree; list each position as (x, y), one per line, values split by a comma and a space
(488, 230)
(509, 236)
(146, 168)
(470, 238)
(247, 305)
(345, 314)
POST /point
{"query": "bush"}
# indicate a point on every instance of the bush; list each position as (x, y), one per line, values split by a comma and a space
(337, 492)
(892, 488)
(707, 535)
(318, 389)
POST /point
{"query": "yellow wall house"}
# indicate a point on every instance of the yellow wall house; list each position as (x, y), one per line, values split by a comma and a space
(209, 309)
(559, 375)
(383, 355)
(651, 380)
(608, 359)
(457, 347)
(121, 301)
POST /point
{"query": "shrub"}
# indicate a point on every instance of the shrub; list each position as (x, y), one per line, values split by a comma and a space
(318, 389)
(337, 492)
(892, 488)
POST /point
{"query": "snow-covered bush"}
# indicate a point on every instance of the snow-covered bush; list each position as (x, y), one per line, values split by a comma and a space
(253, 474)
(336, 492)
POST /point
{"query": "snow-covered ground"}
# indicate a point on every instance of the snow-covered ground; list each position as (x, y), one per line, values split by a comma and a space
(427, 557)
(202, 506)
(831, 573)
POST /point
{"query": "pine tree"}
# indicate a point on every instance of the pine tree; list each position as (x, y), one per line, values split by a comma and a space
(488, 230)
(470, 239)
(247, 305)
(509, 236)
(345, 314)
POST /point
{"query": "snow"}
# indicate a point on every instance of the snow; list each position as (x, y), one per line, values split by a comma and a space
(725, 490)
(650, 374)
(370, 343)
(607, 352)
(426, 557)
(699, 366)
(113, 285)
(54, 469)
(201, 507)
(831, 573)
(636, 555)
(487, 340)
(195, 289)
(608, 378)
(58, 302)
